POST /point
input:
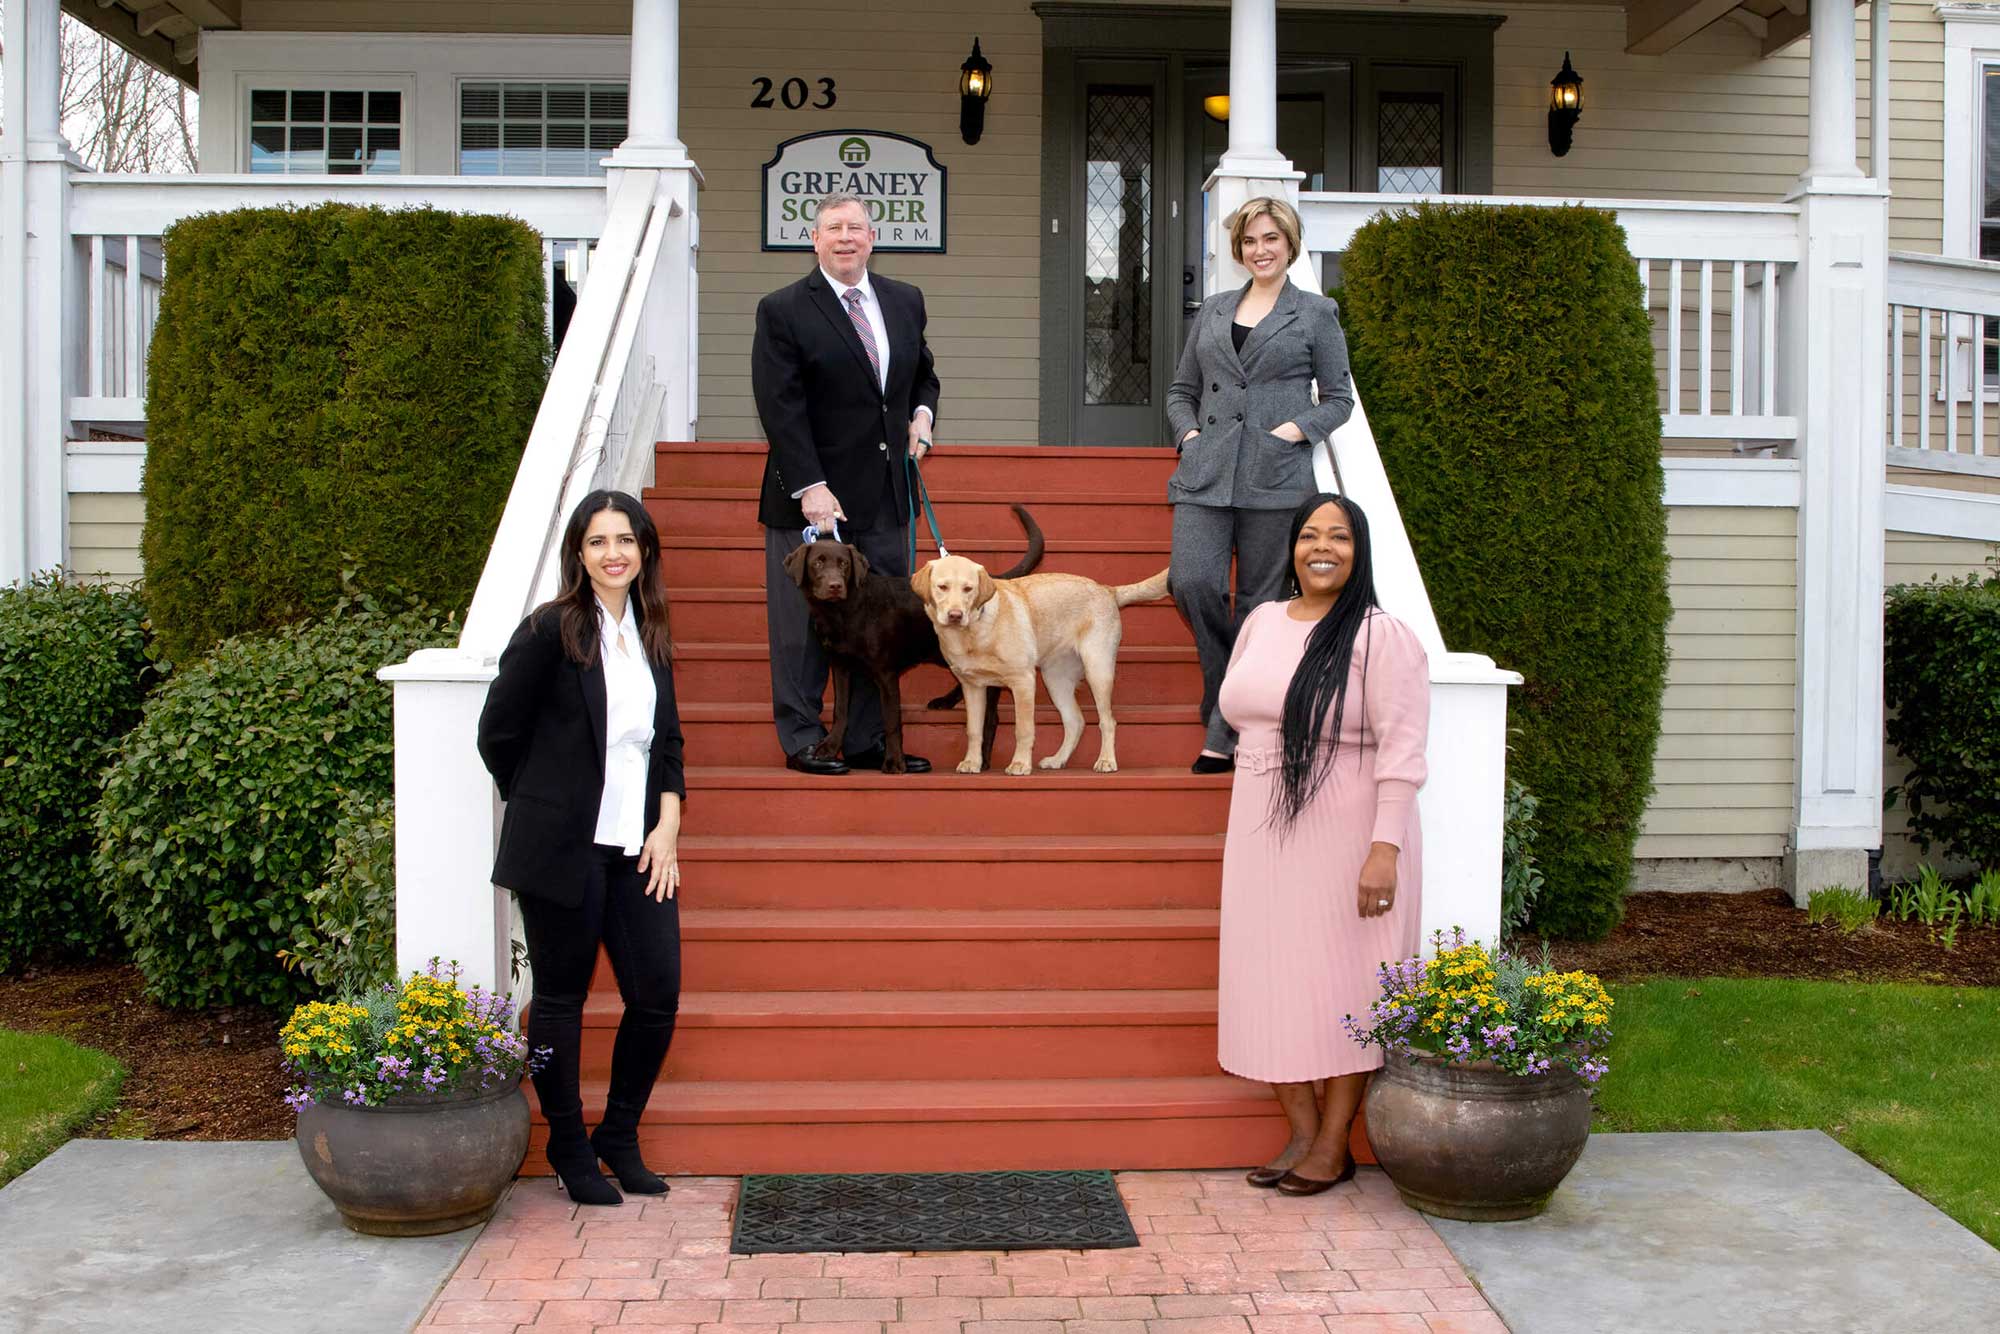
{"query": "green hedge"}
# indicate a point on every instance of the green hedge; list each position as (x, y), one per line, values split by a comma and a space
(1941, 680)
(73, 672)
(348, 943)
(328, 383)
(219, 818)
(1506, 362)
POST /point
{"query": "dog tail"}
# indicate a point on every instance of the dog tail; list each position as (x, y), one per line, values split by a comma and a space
(1146, 590)
(1034, 556)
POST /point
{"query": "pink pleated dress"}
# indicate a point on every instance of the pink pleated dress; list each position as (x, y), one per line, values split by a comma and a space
(1296, 953)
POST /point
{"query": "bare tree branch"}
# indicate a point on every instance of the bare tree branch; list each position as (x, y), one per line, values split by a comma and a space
(118, 112)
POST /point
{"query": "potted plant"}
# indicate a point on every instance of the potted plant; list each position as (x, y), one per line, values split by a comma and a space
(1483, 1104)
(411, 1117)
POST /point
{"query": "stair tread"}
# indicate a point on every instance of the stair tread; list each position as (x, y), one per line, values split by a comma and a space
(739, 711)
(785, 1102)
(1078, 774)
(1029, 496)
(1060, 546)
(750, 593)
(968, 847)
(726, 650)
(932, 1009)
(949, 923)
(946, 450)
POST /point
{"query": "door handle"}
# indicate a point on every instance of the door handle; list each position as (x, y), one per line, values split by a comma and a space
(1190, 307)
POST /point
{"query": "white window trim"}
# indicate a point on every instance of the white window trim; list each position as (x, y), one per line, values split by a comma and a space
(1971, 40)
(249, 81)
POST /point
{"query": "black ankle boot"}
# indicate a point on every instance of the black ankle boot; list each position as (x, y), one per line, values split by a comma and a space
(575, 1163)
(616, 1141)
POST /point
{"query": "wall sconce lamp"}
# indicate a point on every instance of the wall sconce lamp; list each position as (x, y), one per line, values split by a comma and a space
(975, 85)
(1216, 107)
(1565, 107)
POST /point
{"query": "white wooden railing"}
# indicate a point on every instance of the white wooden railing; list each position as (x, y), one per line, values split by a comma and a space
(1944, 319)
(113, 217)
(1712, 274)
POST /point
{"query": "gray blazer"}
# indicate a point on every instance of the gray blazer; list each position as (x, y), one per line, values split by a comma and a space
(1236, 463)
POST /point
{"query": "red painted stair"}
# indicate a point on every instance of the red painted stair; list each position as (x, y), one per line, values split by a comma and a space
(941, 971)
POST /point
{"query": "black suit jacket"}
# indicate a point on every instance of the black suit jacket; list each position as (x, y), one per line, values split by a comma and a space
(541, 735)
(823, 413)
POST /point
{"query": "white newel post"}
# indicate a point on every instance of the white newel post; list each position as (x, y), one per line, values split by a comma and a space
(35, 268)
(1834, 369)
(1463, 801)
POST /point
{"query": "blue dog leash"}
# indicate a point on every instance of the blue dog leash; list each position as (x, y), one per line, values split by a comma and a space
(913, 478)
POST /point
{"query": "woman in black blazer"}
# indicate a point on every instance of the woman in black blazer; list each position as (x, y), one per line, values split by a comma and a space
(581, 734)
(1262, 378)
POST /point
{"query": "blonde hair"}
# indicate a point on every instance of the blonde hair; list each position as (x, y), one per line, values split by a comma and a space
(1279, 212)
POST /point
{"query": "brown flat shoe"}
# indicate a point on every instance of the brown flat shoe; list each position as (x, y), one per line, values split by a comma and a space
(1264, 1178)
(1294, 1184)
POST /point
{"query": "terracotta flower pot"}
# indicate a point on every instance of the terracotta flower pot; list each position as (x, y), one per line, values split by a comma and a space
(417, 1166)
(1472, 1141)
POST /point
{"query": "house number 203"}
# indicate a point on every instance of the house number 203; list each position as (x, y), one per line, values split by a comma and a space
(793, 92)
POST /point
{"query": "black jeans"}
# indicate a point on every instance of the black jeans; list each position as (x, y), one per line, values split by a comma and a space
(642, 936)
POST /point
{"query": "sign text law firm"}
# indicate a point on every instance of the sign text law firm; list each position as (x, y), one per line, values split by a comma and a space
(901, 181)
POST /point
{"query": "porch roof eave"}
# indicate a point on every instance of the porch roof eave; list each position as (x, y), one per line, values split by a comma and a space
(166, 34)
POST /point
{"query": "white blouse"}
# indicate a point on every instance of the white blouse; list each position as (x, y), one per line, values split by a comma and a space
(630, 696)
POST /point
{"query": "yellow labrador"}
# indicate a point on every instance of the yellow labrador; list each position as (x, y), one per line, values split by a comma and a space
(998, 633)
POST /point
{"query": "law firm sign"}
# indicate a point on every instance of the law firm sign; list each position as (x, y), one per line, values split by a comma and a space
(902, 183)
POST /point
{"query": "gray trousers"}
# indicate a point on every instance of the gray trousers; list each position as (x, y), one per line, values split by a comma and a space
(798, 663)
(1204, 538)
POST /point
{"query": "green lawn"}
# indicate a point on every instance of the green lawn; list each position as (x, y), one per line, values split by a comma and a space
(48, 1087)
(1906, 1076)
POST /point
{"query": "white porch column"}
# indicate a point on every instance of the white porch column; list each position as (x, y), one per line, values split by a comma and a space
(448, 821)
(1834, 364)
(34, 185)
(1878, 91)
(1251, 165)
(653, 124)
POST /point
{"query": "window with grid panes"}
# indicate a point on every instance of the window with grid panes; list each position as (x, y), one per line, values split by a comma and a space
(326, 131)
(538, 129)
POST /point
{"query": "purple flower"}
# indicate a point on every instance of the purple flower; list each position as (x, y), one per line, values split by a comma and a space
(298, 1099)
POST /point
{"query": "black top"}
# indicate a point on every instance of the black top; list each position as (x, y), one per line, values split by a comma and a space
(1238, 333)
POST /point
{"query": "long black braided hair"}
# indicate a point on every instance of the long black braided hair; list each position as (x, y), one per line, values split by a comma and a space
(1319, 685)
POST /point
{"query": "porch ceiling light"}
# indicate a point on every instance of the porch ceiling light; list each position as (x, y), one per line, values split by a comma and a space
(1216, 107)
(975, 85)
(1565, 107)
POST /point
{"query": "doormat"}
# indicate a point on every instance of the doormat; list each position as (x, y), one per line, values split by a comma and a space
(930, 1211)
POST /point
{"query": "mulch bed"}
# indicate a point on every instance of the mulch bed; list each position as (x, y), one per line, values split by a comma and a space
(214, 1074)
(1763, 935)
(194, 1074)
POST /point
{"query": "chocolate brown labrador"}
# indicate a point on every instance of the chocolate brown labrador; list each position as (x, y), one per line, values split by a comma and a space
(877, 625)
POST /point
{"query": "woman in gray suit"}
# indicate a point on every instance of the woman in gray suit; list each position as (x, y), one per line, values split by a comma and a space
(1245, 417)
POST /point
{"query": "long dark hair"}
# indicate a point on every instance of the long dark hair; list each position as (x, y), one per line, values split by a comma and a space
(1319, 685)
(576, 601)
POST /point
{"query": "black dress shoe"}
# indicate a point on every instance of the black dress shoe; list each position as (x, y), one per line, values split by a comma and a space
(1212, 764)
(806, 762)
(872, 759)
(1291, 1183)
(1264, 1178)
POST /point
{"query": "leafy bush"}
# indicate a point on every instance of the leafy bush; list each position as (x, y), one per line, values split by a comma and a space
(73, 671)
(332, 380)
(1520, 877)
(1506, 361)
(1941, 679)
(1848, 909)
(348, 943)
(217, 821)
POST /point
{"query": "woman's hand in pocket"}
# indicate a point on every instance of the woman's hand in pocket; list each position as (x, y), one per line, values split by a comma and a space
(1289, 432)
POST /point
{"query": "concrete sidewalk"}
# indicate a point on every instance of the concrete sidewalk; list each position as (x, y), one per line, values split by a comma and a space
(1699, 1233)
(127, 1236)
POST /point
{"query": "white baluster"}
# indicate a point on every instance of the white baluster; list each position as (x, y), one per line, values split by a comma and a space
(1896, 376)
(1736, 339)
(1674, 337)
(96, 298)
(1923, 377)
(1707, 320)
(135, 310)
(1768, 363)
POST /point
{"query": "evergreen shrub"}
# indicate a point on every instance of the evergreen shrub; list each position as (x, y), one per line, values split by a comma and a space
(330, 382)
(219, 818)
(1505, 358)
(73, 672)
(1941, 680)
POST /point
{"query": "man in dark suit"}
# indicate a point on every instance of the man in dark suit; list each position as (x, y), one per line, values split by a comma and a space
(845, 387)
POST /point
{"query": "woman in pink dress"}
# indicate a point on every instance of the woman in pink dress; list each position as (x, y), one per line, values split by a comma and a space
(1322, 867)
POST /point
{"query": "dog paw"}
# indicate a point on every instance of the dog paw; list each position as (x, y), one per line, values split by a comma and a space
(894, 764)
(969, 766)
(1052, 762)
(1019, 768)
(825, 750)
(1105, 765)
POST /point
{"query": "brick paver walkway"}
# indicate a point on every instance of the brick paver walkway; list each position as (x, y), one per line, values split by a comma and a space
(1216, 1256)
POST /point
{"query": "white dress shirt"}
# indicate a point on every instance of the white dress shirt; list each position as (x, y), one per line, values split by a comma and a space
(629, 698)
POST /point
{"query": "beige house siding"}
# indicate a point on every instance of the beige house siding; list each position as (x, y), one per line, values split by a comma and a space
(104, 536)
(1723, 772)
(565, 16)
(1913, 558)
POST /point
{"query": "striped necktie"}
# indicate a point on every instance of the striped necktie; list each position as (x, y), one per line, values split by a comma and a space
(852, 297)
